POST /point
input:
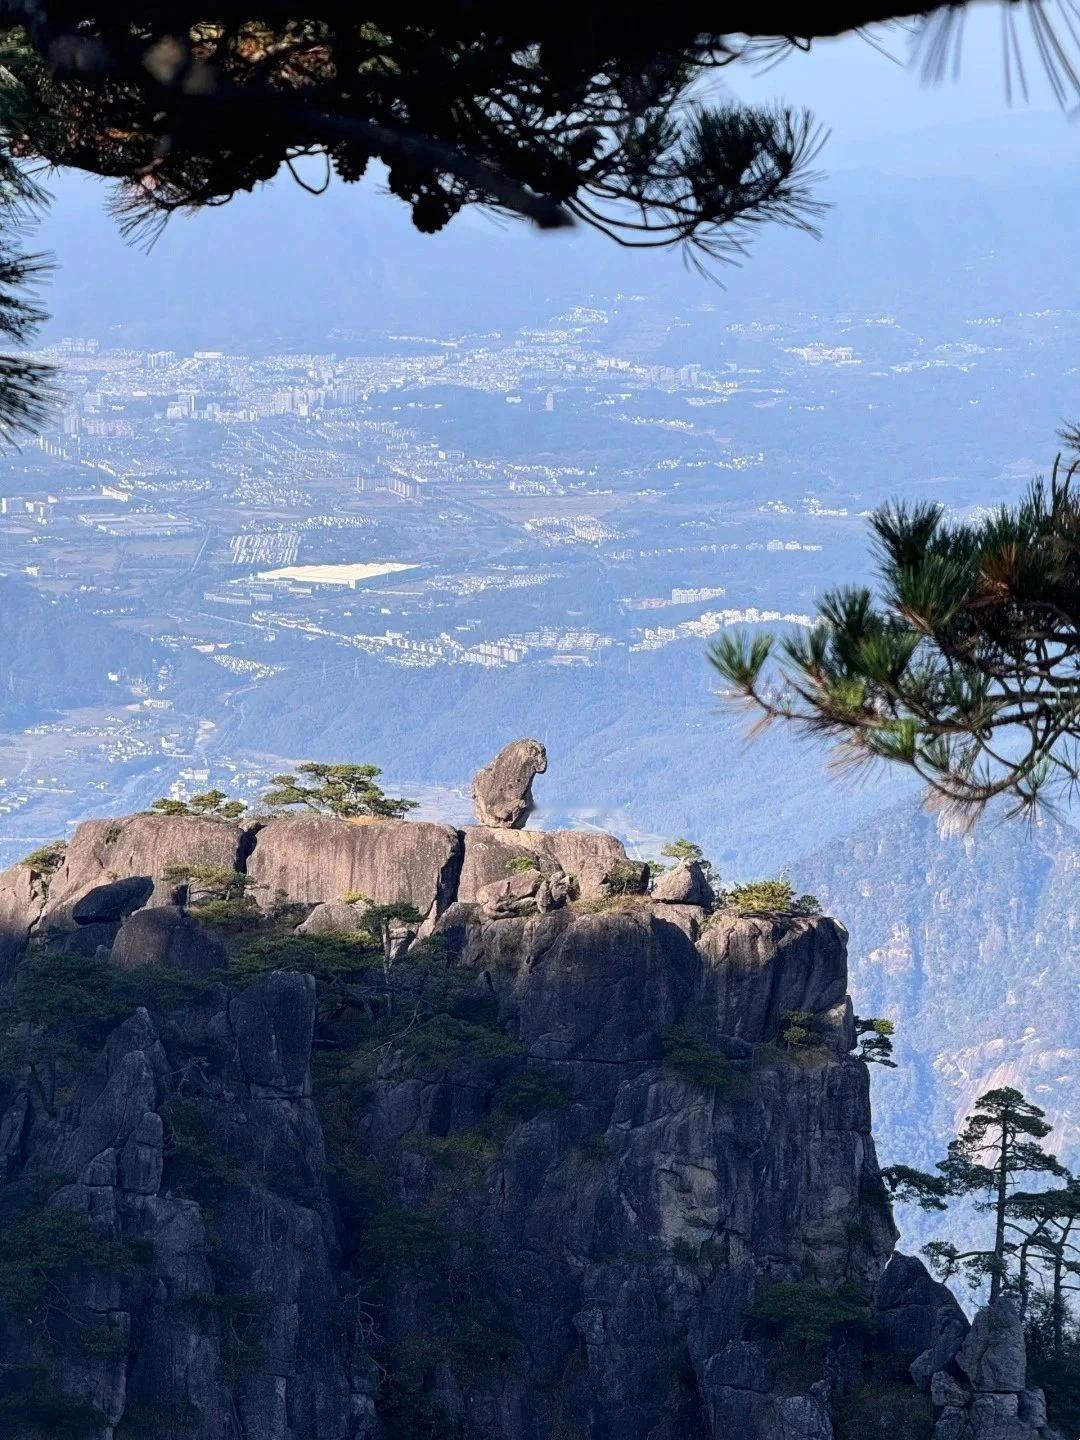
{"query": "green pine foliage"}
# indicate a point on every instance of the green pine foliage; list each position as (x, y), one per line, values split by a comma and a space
(768, 897)
(521, 865)
(874, 1037)
(38, 1251)
(213, 803)
(680, 850)
(532, 1094)
(65, 1005)
(347, 791)
(624, 878)
(445, 1040)
(214, 894)
(994, 1162)
(327, 956)
(963, 665)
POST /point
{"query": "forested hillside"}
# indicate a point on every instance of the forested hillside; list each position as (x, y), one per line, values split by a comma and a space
(970, 943)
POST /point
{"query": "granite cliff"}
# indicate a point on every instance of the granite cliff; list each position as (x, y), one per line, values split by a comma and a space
(497, 1146)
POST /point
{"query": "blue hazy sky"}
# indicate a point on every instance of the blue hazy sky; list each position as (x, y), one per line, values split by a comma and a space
(882, 113)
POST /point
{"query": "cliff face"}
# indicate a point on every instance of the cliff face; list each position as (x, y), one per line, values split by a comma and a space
(551, 1175)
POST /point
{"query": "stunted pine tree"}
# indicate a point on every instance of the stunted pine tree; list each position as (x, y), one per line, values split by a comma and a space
(211, 802)
(347, 791)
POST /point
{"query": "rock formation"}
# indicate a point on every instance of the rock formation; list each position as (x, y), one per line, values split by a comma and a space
(684, 884)
(502, 790)
(542, 1169)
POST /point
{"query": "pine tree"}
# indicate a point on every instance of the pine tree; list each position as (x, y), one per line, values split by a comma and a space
(997, 1148)
(347, 791)
(965, 669)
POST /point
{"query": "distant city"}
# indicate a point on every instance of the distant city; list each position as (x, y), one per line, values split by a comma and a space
(619, 481)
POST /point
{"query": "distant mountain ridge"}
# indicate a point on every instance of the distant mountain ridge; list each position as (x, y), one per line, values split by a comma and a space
(971, 944)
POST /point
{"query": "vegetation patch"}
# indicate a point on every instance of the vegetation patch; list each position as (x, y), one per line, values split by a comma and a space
(767, 897)
(32, 1405)
(46, 859)
(533, 1093)
(689, 1055)
(39, 1252)
(213, 803)
(326, 956)
(396, 1235)
(65, 1005)
(214, 894)
(347, 791)
(624, 878)
(810, 1313)
(881, 1408)
(443, 1040)
(521, 865)
(197, 1163)
(467, 1149)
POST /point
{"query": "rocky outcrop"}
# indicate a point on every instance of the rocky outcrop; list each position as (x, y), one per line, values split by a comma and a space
(975, 1375)
(981, 1392)
(167, 937)
(589, 858)
(760, 969)
(102, 852)
(919, 1322)
(528, 891)
(684, 884)
(502, 790)
(541, 1170)
(333, 917)
(22, 899)
(308, 860)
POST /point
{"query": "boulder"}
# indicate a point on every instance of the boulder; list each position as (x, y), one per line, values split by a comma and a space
(332, 917)
(104, 851)
(502, 790)
(589, 858)
(313, 859)
(684, 884)
(113, 900)
(86, 939)
(993, 1356)
(758, 969)
(142, 1158)
(997, 1417)
(166, 936)
(797, 1417)
(525, 892)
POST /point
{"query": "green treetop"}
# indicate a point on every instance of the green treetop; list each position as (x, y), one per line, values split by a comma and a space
(348, 791)
(679, 850)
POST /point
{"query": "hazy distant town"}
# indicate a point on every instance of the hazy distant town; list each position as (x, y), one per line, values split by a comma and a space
(574, 496)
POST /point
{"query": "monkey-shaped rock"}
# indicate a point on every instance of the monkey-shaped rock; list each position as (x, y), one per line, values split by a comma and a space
(502, 790)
